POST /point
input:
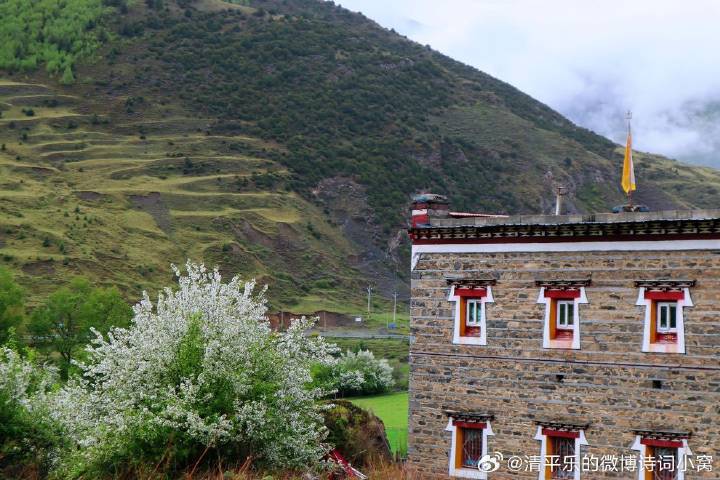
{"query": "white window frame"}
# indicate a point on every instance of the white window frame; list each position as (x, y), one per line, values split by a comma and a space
(666, 305)
(656, 347)
(574, 343)
(479, 308)
(545, 440)
(461, 472)
(457, 339)
(682, 454)
(566, 304)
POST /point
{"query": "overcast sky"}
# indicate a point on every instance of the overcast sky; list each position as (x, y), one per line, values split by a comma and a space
(590, 60)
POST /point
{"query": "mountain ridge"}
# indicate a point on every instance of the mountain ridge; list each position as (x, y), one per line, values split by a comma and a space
(281, 139)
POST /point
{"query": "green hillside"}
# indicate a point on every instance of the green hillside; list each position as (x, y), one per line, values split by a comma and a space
(281, 139)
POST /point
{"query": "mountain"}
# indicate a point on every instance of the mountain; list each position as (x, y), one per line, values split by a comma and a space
(281, 139)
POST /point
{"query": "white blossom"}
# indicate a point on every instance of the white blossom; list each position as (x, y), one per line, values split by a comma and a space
(361, 372)
(23, 383)
(204, 362)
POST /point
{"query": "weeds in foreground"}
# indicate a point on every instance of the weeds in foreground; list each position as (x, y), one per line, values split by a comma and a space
(376, 471)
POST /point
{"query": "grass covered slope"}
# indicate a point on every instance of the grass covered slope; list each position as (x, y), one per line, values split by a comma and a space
(349, 99)
(89, 194)
(280, 139)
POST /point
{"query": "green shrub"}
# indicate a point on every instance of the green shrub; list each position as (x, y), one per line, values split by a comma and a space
(11, 304)
(28, 436)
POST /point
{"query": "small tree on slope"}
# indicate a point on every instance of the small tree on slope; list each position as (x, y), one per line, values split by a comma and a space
(200, 370)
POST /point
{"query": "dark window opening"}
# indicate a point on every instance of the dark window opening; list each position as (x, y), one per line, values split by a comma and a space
(471, 447)
(665, 463)
(564, 449)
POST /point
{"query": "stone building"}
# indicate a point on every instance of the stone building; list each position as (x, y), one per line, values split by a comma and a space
(575, 346)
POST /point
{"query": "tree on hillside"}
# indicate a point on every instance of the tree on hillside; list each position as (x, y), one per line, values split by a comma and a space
(11, 304)
(63, 325)
(67, 77)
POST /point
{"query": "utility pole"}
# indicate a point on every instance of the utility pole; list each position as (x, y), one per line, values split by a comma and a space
(395, 307)
(369, 290)
(560, 192)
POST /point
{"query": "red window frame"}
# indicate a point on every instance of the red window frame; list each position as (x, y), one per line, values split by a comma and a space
(465, 295)
(463, 432)
(656, 299)
(657, 449)
(558, 443)
(555, 296)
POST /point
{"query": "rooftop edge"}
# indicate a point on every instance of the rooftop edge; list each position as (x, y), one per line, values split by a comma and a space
(596, 218)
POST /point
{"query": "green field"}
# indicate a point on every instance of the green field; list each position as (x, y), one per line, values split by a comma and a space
(393, 411)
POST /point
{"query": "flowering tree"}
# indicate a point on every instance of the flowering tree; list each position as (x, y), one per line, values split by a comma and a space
(358, 373)
(361, 372)
(201, 369)
(26, 434)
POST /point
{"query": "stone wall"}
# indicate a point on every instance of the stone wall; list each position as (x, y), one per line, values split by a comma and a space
(608, 383)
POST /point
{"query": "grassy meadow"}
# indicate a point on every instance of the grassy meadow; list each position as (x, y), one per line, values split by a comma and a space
(393, 411)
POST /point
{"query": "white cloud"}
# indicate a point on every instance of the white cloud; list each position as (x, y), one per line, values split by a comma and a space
(591, 61)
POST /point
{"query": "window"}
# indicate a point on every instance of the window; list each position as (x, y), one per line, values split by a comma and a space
(664, 320)
(470, 297)
(560, 450)
(565, 314)
(663, 455)
(469, 444)
(664, 463)
(667, 317)
(472, 443)
(562, 300)
(474, 313)
(665, 302)
(474, 318)
(563, 451)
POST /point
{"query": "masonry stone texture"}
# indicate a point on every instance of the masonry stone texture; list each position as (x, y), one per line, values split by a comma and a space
(609, 383)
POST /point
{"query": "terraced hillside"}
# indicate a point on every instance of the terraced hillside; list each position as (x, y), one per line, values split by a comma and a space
(281, 139)
(85, 193)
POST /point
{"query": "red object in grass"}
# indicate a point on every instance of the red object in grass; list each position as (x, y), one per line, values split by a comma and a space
(349, 470)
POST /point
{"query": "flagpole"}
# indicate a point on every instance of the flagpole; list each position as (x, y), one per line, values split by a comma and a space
(629, 192)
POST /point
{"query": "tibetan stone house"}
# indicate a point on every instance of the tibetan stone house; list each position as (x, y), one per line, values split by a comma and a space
(570, 346)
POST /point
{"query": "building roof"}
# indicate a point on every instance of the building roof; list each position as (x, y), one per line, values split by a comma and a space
(483, 220)
(671, 224)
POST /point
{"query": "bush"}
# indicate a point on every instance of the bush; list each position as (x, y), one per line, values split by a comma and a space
(27, 436)
(11, 304)
(355, 374)
(356, 433)
(198, 375)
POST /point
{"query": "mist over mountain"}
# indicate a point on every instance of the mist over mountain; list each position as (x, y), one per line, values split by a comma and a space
(591, 62)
